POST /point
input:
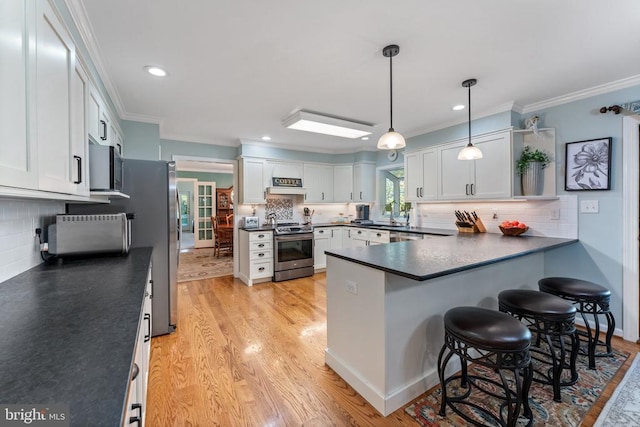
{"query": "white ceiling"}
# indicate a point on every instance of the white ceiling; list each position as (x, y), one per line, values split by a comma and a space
(238, 67)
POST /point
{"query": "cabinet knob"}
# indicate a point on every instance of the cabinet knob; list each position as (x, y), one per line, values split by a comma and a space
(261, 254)
(261, 269)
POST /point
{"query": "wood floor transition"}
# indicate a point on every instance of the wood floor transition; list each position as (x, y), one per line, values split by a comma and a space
(254, 356)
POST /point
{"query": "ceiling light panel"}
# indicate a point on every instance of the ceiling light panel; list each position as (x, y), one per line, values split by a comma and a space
(317, 123)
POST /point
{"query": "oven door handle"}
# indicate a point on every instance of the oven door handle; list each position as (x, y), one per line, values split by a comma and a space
(291, 237)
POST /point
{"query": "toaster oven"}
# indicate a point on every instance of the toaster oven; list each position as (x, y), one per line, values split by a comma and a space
(90, 234)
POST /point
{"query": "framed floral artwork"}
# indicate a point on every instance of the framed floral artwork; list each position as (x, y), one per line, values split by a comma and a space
(588, 165)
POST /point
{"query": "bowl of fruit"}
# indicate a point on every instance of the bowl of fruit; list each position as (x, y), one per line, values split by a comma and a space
(513, 228)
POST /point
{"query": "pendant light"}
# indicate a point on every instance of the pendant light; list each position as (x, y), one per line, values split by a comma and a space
(469, 152)
(392, 139)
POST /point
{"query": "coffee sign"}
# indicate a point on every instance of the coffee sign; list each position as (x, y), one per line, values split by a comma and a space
(287, 182)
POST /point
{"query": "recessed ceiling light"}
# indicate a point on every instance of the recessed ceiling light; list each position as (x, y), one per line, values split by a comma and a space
(458, 107)
(266, 138)
(365, 138)
(155, 71)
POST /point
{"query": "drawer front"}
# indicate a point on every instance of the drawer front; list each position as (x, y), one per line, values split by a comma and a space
(380, 236)
(260, 246)
(261, 236)
(261, 269)
(261, 255)
(320, 233)
(360, 234)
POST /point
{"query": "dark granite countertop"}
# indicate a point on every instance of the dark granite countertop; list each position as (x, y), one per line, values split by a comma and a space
(403, 229)
(437, 256)
(257, 229)
(68, 334)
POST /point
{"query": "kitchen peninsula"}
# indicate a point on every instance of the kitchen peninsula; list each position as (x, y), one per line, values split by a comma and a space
(385, 304)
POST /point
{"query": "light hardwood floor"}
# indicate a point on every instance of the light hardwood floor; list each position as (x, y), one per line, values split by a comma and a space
(254, 356)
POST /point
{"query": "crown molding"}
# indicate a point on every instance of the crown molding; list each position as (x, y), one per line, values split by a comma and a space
(507, 106)
(271, 144)
(583, 94)
(82, 23)
(144, 118)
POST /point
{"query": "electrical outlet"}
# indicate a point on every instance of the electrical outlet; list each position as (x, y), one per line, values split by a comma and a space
(554, 214)
(589, 206)
(352, 286)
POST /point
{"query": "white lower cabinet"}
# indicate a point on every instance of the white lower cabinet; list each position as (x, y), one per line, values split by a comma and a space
(256, 256)
(366, 237)
(136, 405)
(325, 238)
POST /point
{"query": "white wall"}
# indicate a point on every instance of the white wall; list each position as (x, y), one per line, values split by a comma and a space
(19, 249)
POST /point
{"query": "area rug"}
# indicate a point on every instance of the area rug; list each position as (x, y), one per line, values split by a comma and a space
(200, 264)
(623, 408)
(577, 399)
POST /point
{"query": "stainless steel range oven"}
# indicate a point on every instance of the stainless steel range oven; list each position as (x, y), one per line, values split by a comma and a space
(293, 249)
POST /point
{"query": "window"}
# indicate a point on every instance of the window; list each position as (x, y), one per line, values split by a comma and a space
(394, 192)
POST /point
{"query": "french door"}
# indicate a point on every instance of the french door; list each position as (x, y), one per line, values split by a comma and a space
(205, 209)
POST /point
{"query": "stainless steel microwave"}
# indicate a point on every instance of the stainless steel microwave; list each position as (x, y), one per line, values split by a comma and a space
(105, 168)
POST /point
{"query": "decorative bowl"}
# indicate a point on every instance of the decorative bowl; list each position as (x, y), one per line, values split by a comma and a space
(512, 231)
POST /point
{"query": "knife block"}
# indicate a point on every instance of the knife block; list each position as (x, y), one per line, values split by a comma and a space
(478, 227)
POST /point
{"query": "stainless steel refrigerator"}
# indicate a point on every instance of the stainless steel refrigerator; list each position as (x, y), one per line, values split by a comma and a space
(151, 186)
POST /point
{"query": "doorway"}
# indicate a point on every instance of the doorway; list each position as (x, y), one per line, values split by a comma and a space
(198, 179)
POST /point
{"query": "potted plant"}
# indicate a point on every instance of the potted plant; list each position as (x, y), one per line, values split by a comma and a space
(529, 167)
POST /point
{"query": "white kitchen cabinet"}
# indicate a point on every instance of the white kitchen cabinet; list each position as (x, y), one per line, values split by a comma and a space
(486, 178)
(256, 256)
(18, 153)
(421, 175)
(95, 129)
(136, 404)
(379, 237)
(79, 174)
(325, 238)
(55, 69)
(343, 183)
(252, 188)
(366, 237)
(318, 180)
(364, 182)
(321, 243)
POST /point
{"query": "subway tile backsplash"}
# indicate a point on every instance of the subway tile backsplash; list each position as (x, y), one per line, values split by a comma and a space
(19, 249)
(537, 214)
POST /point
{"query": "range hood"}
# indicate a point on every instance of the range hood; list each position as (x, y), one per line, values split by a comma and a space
(287, 190)
(286, 186)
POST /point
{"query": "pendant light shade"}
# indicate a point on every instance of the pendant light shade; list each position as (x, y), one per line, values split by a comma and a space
(392, 139)
(470, 152)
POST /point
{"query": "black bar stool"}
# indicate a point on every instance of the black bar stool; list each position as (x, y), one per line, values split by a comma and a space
(552, 318)
(589, 298)
(497, 341)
